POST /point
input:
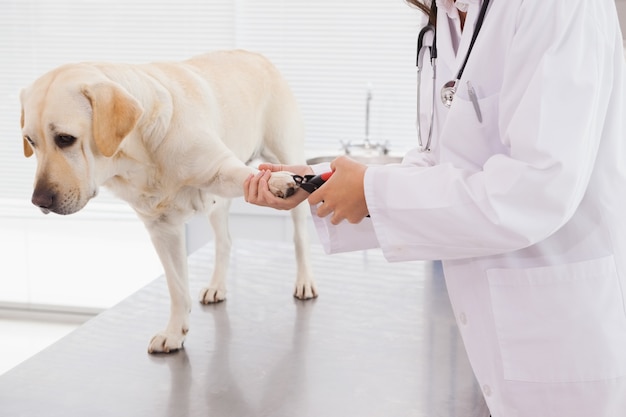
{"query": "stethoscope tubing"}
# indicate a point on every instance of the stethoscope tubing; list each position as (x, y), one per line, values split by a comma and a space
(419, 63)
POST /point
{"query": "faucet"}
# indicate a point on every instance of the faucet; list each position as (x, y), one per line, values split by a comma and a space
(368, 100)
(367, 144)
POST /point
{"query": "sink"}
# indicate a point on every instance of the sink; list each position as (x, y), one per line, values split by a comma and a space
(365, 159)
(366, 153)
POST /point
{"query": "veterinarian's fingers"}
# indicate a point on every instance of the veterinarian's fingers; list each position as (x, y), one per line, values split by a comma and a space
(281, 203)
(335, 219)
(259, 192)
(270, 167)
(264, 177)
(323, 209)
(340, 162)
(294, 169)
(317, 199)
(264, 195)
(247, 192)
(251, 185)
(317, 196)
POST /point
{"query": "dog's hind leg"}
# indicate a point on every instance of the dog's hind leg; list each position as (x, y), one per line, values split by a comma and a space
(305, 284)
(218, 217)
(169, 242)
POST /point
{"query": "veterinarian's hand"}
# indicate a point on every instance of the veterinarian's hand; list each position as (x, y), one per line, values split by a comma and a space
(343, 195)
(256, 189)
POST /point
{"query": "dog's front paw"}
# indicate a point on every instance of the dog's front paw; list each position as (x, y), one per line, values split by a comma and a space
(165, 342)
(282, 184)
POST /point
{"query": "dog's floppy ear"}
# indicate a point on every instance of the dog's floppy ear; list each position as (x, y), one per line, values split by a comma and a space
(115, 114)
(28, 151)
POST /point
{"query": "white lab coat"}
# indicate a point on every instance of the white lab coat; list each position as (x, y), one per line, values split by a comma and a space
(527, 209)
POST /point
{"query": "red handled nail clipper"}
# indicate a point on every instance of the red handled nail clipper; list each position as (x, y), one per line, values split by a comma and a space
(310, 183)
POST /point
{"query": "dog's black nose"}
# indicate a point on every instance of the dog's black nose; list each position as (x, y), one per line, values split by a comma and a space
(44, 199)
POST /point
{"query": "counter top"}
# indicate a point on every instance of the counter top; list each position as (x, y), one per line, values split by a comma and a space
(380, 340)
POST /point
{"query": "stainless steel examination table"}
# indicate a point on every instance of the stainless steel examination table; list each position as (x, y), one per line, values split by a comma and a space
(380, 340)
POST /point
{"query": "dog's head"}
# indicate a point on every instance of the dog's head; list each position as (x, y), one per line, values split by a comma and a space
(72, 117)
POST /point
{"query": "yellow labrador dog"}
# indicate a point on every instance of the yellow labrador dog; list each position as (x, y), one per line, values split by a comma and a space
(171, 139)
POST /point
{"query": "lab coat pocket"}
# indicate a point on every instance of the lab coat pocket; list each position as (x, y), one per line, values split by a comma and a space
(561, 323)
(470, 135)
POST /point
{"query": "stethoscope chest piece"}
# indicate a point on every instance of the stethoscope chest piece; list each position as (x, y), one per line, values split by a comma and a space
(447, 92)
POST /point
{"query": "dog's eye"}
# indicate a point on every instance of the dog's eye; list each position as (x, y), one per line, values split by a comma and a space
(63, 141)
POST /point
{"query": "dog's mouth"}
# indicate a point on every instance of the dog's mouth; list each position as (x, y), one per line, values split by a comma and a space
(51, 201)
(64, 210)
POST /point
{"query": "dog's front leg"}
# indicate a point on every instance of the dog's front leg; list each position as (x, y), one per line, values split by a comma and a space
(226, 178)
(169, 242)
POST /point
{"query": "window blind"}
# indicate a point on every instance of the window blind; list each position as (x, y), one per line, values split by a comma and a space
(332, 53)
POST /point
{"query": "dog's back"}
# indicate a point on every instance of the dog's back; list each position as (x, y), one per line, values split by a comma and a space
(244, 96)
(249, 82)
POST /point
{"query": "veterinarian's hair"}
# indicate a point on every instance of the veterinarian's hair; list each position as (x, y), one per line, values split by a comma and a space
(426, 7)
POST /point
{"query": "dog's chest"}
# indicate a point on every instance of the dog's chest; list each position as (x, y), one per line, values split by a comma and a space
(160, 198)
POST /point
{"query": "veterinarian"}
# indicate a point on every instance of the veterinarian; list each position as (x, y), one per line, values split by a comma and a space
(521, 193)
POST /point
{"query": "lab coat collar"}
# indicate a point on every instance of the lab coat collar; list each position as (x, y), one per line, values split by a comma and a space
(451, 6)
(453, 59)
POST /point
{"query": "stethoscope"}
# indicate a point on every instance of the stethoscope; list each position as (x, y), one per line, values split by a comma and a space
(449, 89)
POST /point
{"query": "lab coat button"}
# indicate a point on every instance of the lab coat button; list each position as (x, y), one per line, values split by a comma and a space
(463, 318)
(487, 390)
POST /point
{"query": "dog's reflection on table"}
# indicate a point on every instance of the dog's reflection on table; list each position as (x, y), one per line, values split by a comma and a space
(271, 386)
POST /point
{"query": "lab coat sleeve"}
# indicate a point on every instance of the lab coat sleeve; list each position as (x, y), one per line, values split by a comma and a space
(348, 237)
(345, 237)
(556, 83)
